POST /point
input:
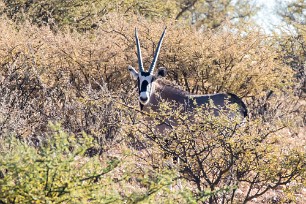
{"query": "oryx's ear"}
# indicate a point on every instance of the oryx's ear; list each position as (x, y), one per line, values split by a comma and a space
(161, 72)
(133, 72)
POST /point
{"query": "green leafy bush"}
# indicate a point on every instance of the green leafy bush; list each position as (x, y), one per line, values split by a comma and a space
(56, 171)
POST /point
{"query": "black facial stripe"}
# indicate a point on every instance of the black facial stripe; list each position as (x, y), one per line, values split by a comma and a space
(145, 74)
(144, 86)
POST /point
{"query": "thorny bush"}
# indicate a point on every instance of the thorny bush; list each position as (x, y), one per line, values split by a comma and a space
(81, 80)
(223, 157)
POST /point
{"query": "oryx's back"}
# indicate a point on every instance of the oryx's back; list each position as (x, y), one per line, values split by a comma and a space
(219, 100)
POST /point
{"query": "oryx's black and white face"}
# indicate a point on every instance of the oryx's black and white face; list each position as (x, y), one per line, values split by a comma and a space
(146, 79)
(145, 82)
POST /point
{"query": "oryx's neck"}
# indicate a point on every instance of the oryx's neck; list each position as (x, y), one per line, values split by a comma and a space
(164, 92)
(170, 93)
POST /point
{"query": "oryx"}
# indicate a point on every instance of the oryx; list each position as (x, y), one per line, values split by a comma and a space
(152, 89)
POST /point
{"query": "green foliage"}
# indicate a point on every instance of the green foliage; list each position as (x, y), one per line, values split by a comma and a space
(57, 171)
(86, 15)
(212, 14)
(292, 46)
(79, 14)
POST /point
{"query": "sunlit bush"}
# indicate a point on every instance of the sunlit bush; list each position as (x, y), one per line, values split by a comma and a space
(236, 162)
(81, 80)
(60, 171)
(57, 171)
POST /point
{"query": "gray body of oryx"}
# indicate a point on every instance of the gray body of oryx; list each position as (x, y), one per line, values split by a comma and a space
(164, 92)
(152, 90)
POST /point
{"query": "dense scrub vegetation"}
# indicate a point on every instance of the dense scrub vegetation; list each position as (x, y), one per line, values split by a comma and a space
(70, 126)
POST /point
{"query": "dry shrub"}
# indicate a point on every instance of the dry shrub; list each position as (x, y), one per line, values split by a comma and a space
(202, 62)
(225, 61)
(222, 161)
(81, 80)
(40, 82)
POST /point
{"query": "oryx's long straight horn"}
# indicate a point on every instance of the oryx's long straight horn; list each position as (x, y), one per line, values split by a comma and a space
(140, 64)
(157, 52)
